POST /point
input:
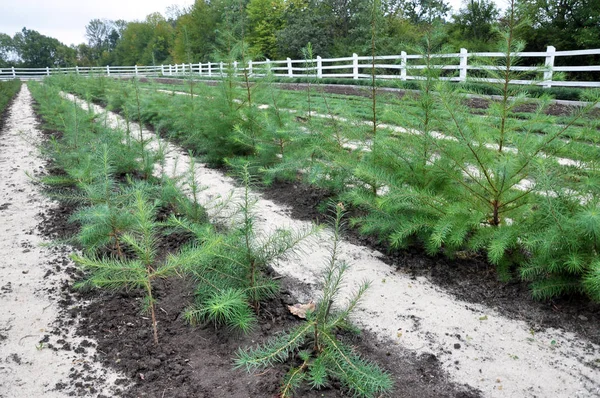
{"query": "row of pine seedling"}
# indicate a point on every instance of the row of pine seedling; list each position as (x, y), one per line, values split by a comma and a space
(520, 191)
(126, 204)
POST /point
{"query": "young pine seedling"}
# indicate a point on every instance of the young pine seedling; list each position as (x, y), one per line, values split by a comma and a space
(231, 268)
(138, 272)
(314, 345)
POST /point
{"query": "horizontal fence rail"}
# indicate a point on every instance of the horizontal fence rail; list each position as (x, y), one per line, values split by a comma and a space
(456, 67)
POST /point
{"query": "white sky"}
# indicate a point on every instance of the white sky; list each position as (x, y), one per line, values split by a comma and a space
(65, 20)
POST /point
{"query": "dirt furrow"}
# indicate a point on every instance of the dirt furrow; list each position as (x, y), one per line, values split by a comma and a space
(475, 344)
(37, 359)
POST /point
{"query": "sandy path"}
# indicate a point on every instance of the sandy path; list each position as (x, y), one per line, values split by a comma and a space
(475, 344)
(28, 284)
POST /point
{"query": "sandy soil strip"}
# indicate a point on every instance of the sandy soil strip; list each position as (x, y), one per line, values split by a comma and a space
(29, 292)
(476, 344)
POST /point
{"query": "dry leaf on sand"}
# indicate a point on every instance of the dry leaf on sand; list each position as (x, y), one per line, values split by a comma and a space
(300, 310)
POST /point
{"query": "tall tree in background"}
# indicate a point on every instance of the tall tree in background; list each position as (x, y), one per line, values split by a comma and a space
(282, 28)
(159, 48)
(265, 19)
(6, 48)
(425, 11)
(195, 33)
(473, 26)
(85, 55)
(97, 32)
(120, 25)
(135, 39)
(38, 51)
(103, 36)
(146, 43)
(304, 24)
(564, 24)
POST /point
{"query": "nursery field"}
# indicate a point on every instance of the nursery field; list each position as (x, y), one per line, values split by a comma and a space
(242, 240)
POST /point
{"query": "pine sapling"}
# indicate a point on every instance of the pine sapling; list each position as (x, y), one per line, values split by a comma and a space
(103, 219)
(138, 272)
(231, 268)
(259, 250)
(314, 344)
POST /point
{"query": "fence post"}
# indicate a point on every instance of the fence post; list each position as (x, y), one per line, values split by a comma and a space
(549, 65)
(403, 64)
(191, 68)
(209, 70)
(200, 68)
(136, 70)
(289, 68)
(107, 70)
(182, 68)
(463, 65)
(319, 67)
(47, 71)
(250, 68)
(355, 66)
(13, 72)
(221, 68)
(162, 70)
(76, 69)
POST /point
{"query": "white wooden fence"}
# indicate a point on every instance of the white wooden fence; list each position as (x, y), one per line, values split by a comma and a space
(454, 67)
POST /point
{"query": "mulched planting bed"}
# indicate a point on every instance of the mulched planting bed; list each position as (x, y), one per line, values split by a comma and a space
(196, 361)
(201, 357)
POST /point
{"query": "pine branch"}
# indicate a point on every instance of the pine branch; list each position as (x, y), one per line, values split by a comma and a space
(276, 350)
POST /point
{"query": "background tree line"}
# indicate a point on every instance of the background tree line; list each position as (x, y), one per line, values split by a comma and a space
(277, 29)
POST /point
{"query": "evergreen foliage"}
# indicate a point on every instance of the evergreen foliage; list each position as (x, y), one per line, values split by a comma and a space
(448, 180)
(112, 213)
(231, 269)
(455, 181)
(138, 271)
(104, 220)
(8, 90)
(322, 356)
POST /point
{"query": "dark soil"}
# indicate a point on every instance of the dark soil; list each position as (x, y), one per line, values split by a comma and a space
(552, 110)
(473, 279)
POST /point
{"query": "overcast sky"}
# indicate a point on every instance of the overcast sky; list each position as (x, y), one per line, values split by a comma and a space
(65, 20)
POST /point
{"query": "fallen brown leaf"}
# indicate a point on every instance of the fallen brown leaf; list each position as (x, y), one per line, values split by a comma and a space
(300, 310)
